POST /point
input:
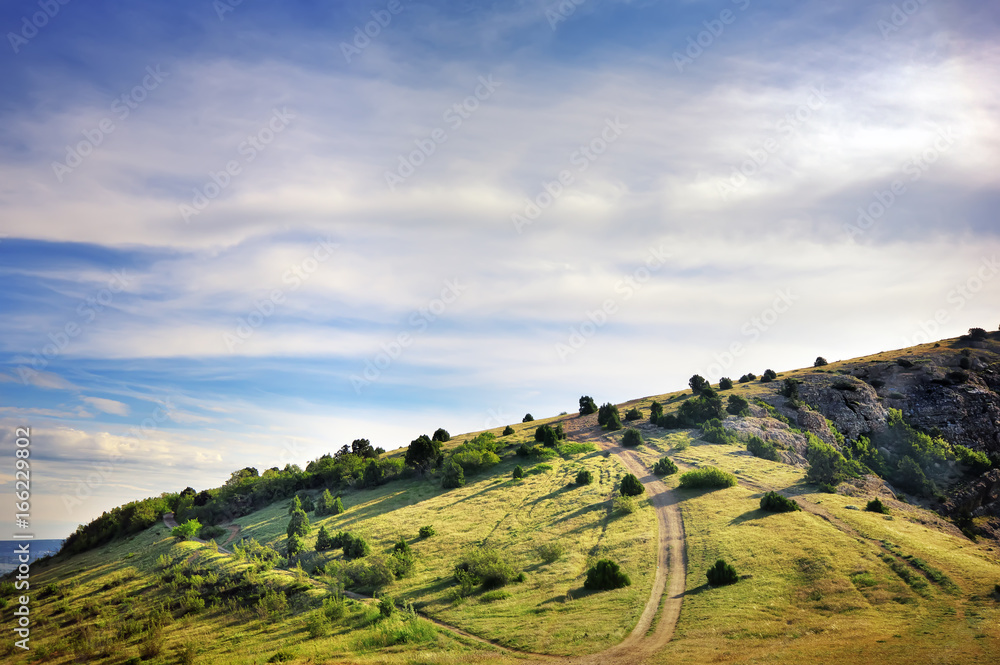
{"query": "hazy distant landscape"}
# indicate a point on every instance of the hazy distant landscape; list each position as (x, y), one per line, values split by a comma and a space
(590, 331)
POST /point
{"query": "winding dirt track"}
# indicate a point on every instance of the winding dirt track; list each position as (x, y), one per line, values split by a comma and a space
(671, 564)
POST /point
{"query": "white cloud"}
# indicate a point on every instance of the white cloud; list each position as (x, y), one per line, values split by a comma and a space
(107, 405)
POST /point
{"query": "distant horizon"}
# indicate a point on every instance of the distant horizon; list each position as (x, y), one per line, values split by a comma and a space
(258, 231)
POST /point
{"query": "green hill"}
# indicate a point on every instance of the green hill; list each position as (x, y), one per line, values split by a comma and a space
(502, 577)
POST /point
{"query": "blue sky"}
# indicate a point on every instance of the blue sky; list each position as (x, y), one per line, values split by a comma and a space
(252, 236)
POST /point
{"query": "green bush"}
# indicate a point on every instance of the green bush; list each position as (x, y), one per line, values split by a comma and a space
(299, 524)
(354, 546)
(441, 434)
(769, 375)
(698, 384)
(976, 460)
(550, 552)
(631, 486)
(295, 504)
(722, 574)
(694, 412)
(737, 405)
(632, 437)
(508, 430)
(625, 505)
(725, 383)
(186, 530)
(748, 377)
(763, 449)
(633, 414)
(546, 435)
(386, 606)
(713, 432)
(707, 476)
(318, 625)
(604, 414)
(776, 503)
(518, 472)
(614, 422)
(527, 418)
(665, 467)
(324, 541)
(294, 545)
(587, 405)
(453, 476)
(820, 362)
(584, 477)
(827, 465)
(487, 567)
(876, 506)
(655, 412)
(209, 532)
(427, 531)
(307, 502)
(669, 421)
(606, 574)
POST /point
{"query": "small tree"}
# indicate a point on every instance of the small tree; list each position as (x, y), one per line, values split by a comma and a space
(294, 545)
(977, 334)
(324, 506)
(722, 574)
(769, 375)
(441, 434)
(299, 524)
(820, 362)
(296, 504)
(698, 384)
(604, 413)
(738, 405)
(527, 418)
(453, 476)
(508, 430)
(584, 477)
(776, 503)
(421, 452)
(324, 541)
(876, 506)
(632, 437)
(725, 383)
(633, 414)
(655, 411)
(587, 405)
(614, 422)
(338, 506)
(631, 486)
(518, 472)
(748, 377)
(426, 531)
(606, 574)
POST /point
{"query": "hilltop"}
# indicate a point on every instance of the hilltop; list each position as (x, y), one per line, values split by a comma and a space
(471, 563)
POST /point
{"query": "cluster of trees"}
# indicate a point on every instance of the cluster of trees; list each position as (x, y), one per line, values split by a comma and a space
(609, 418)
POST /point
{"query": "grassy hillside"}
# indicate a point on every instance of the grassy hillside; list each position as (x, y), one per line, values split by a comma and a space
(831, 583)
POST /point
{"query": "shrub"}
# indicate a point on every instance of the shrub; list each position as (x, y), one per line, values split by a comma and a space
(655, 412)
(324, 506)
(776, 503)
(633, 414)
(827, 465)
(295, 504)
(669, 421)
(707, 476)
(698, 384)
(725, 383)
(338, 506)
(632, 437)
(976, 460)
(523, 450)
(527, 418)
(587, 405)
(354, 546)
(876, 506)
(631, 486)
(665, 467)
(318, 625)
(518, 472)
(550, 552)
(606, 574)
(762, 449)
(186, 530)
(210, 532)
(584, 477)
(790, 388)
(546, 435)
(324, 541)
(977, 334)
(748, 377)
(487, 567)
(453, 476)
(625, 505)
(386, 606)
(713, 432)
(307, 502)
(294, 545)
(508, 430)
(426, 531)
(693, 412)
(737, 405)
(441, 434)
(421, 452)
(604, 414)
(722, 574)
(911, 478)
(769, 375)
(614, 422)
(820, 362)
